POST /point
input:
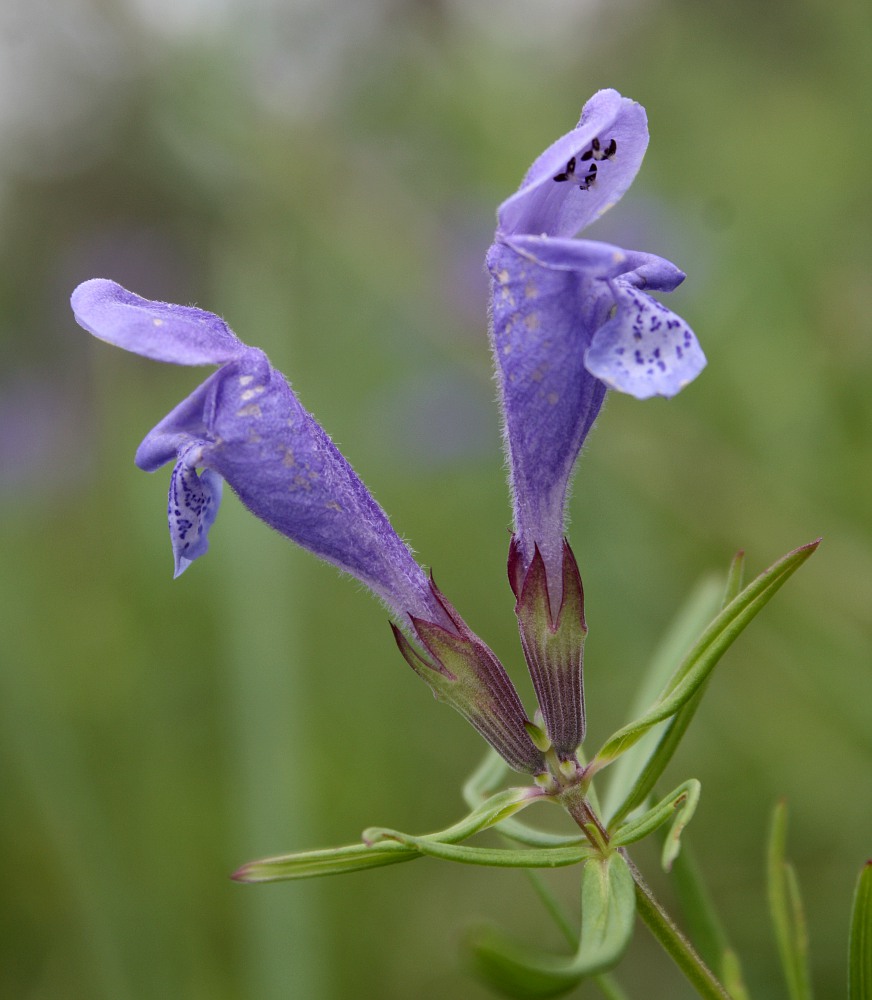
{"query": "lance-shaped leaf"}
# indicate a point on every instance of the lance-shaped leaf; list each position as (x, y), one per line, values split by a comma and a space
(860, 953)
(491, 857)
(700, 607)
(786, 910)
(607, 916)
(355, 857)
(679, 806)
(705, 654)
(553, 644)
(464, 672)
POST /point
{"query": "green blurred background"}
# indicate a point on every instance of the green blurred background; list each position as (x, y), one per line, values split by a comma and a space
(325, 176)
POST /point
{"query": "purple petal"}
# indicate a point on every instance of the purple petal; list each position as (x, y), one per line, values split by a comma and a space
(191, 509)
(179, 428)
(601, 260)
(645, 349)
(547, 206)
(248, 426)
(648, 271)
(543, 321)
(183, 335)
(245, 424)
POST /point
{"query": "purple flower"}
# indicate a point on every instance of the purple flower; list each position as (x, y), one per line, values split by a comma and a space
(572, 318)
(245, 425)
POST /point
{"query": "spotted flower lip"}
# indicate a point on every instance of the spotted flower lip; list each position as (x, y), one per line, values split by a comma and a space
(572, 318)
(245, 425)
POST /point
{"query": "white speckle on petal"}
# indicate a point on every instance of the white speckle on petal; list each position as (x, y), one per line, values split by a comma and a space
(245, 379)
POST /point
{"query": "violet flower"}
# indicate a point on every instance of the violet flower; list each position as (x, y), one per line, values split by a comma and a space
(245, 425)
(570, 319)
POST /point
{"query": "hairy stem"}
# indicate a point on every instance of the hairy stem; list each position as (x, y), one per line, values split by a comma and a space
(676, 945)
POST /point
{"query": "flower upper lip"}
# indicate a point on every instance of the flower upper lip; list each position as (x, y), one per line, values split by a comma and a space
(555, 209)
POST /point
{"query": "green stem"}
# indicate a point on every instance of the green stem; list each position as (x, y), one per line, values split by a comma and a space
(676, 945)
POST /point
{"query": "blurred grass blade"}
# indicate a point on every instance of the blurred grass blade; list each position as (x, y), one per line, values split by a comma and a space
(607, 917)
(704, 925)
(785, 906)
(679, 806)
(860, 953)
(698, 610)
(710, 647)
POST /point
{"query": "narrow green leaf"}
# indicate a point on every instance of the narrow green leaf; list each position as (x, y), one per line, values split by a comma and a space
(495, 857)
(608, 901)
(672, 733)
(786, 910)
(860, 952)
(355, 857)
(735, 578)
(679, 806)
(608, 913)
(487, 813)
(710, 647)
(332, 861)
(655, 766)
(697, 611)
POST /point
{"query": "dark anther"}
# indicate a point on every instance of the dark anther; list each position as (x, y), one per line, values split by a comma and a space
(589, 179)
(599, 152)
(570, 170)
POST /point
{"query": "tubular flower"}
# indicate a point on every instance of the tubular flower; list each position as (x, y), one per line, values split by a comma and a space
(572, 318)
(245, 425)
